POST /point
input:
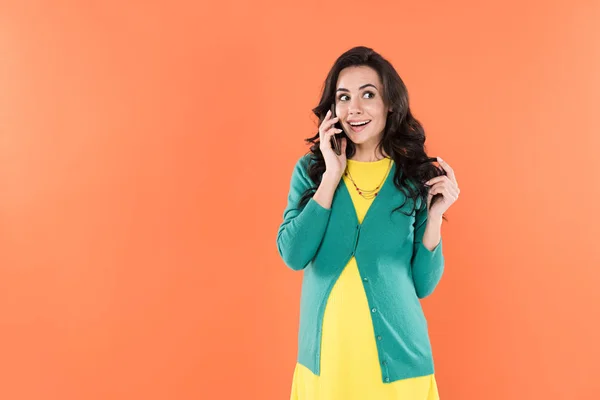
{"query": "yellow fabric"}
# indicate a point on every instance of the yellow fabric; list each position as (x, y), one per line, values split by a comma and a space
(349, 361)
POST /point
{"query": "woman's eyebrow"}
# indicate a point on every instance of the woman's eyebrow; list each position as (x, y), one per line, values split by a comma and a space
(360, 88)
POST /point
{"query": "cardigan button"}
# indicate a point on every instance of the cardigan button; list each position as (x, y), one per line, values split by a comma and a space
(384, 363)
(378, 337)
(365, 279)
(387, 379)
(374, 310)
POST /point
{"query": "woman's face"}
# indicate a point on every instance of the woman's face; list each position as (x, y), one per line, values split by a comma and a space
(358, 97)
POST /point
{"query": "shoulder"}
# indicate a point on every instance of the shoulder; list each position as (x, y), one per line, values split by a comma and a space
(306, 159)
(303, 163)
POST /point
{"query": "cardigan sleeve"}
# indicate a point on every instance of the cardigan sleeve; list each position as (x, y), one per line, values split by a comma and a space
(427, 266)
(301, 232)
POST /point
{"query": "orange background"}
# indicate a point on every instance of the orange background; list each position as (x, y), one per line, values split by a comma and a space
(145, 158)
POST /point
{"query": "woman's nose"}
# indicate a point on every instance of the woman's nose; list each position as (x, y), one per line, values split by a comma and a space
(354, 107)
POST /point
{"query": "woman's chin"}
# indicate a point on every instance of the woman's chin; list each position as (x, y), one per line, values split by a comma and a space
(358, 139)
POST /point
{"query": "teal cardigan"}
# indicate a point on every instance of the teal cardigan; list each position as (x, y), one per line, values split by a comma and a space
(395, 268)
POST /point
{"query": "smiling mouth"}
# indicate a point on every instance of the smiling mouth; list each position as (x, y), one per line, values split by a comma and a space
(359, 127)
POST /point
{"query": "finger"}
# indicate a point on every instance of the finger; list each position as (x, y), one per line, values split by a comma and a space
(325, 125)
(438, 188)
(435, 189)
(448, 196)
(430, 194)
(329, 134)
(454, 189)
(439, 192)
(325, 119)
(333, 121)
(437, 179)
(448, 169)
(449, 186)
(445, 191)
(333, 130)
(328, 116)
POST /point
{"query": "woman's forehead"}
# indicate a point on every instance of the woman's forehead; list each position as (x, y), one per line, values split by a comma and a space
(357, 77)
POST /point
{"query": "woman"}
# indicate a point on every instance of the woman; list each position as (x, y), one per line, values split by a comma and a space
(362, 331)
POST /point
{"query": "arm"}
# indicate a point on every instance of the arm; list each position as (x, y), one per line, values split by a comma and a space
(300, 234)
(428, 259)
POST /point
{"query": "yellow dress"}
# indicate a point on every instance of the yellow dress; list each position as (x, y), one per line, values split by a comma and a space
(349, 359)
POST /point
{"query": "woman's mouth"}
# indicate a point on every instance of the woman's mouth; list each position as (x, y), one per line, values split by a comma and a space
(360, 127)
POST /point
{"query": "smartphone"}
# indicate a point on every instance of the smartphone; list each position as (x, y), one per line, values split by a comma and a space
(336, 140)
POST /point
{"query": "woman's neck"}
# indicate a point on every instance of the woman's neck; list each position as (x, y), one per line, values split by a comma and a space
(369, 158)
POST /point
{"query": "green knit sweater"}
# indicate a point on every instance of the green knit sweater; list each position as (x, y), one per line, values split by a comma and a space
(395, 267)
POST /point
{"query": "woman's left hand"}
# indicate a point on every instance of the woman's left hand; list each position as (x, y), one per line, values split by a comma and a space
(447, 186)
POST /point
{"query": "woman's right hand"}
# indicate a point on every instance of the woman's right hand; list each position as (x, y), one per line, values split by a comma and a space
(334, 164)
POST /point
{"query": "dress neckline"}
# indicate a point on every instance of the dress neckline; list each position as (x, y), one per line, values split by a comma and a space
(368, 162)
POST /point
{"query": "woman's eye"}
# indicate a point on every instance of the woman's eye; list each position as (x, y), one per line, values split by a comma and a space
(341, 98)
